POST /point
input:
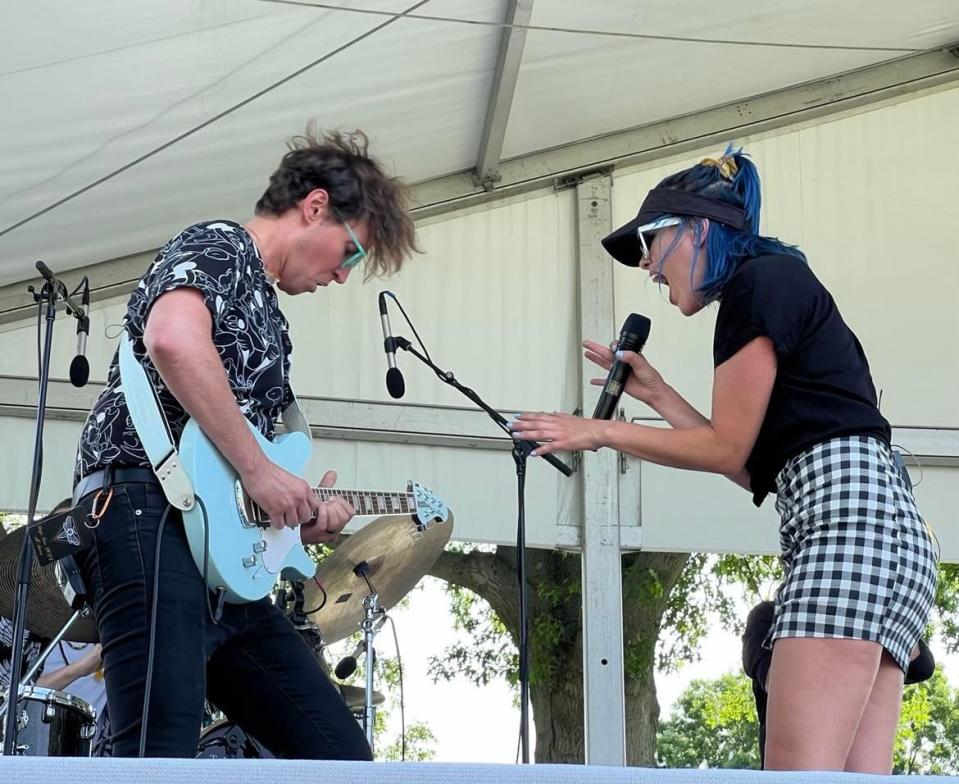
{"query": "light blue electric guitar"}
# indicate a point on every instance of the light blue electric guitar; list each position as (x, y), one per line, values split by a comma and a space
(232, 538)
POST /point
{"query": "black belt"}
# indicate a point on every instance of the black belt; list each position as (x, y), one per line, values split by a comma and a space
(118, 475)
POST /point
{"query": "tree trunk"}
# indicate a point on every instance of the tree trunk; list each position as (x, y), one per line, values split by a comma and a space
(558, 716)
(555, 612)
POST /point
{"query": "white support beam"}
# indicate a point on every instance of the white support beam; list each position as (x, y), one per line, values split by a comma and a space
(116, 277)
(709, 127)
(354, 420)
(509, 58)
(603, 661)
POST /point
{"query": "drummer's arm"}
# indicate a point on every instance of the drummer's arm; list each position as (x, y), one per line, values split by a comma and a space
(87, 664)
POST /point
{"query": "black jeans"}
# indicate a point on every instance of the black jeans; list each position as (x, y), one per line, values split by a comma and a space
(253, 664)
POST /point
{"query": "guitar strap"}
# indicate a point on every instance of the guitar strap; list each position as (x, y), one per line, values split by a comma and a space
(294, 419)
(152, 427)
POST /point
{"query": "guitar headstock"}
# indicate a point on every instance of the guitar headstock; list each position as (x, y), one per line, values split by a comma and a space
(430, 508)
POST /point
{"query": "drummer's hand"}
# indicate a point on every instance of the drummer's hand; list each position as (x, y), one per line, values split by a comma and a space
(89, 663)
(331, 516)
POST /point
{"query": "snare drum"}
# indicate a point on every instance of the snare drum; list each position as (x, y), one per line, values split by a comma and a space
(52, 723)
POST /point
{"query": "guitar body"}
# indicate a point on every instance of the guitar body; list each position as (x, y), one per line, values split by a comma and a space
(240, 557)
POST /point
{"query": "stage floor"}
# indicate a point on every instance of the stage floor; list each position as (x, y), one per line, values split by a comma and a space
(52, 770)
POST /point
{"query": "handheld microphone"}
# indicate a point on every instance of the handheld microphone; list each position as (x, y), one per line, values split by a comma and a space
(395, 384)
(80, 366)
(632, 337)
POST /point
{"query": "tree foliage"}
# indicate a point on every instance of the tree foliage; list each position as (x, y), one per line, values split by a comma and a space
(713, 725)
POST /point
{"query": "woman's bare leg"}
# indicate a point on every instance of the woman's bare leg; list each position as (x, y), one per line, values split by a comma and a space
(818, 691)
(872, 748)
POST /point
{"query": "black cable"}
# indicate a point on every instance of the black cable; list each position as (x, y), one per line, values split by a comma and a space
(214, 614)
(322, 604)
(144, 716)
(399, 665)
(415, 333)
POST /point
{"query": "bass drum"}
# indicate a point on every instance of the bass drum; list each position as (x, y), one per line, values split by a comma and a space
(225, 740)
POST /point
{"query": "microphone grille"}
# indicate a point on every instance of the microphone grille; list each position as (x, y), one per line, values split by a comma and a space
(395, 384)
(634, 333)
(79, 371)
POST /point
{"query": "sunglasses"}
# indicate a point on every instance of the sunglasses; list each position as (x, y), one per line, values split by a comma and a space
(651, 229)
(359, 254)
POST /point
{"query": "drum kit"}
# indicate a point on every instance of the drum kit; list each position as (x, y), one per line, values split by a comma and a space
(367, 574)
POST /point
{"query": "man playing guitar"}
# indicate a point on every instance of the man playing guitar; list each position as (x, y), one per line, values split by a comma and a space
(206, 326)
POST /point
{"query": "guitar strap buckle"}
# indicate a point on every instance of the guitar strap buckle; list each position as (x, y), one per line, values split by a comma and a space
(176, 485)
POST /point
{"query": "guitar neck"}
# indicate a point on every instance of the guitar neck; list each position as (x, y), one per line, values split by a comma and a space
(370, 502)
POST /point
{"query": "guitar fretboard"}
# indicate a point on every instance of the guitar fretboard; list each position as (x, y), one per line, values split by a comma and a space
(365, 502)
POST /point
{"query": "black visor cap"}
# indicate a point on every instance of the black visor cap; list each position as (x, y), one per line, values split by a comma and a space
(623, 244)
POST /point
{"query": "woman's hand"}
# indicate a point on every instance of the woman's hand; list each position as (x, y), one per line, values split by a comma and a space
(559, 432)
(643, 383)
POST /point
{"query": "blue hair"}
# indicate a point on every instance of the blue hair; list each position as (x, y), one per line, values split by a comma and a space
(733, 180)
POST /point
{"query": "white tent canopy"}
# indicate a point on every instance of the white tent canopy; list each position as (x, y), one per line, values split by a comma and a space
(124, 121)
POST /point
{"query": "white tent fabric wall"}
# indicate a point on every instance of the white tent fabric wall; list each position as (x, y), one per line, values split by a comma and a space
(494, 297)
(868, 198)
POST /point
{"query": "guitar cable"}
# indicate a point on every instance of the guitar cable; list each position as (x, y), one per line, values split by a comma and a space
(217, 614)
(214, 614)
(144, 716)
(399, 666)
(322, 603)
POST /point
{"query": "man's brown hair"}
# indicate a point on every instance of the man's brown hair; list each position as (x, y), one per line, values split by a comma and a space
(359, 188)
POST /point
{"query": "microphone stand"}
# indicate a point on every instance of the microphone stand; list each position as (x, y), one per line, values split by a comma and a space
(52, 288)
(521, 451)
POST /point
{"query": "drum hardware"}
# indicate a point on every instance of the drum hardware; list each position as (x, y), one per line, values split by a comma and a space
(398, 553)
(372, 614)
(48, 611)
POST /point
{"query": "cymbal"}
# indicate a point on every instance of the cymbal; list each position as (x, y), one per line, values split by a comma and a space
(355, 696)
(398, 553)
(47, 609)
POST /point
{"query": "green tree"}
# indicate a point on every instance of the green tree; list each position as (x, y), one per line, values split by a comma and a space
(928, 739)
(420, 742)
(713, 725)
(668, 601)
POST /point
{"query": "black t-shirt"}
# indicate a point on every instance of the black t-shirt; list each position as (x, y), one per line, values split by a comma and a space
(220, 260)
(823, 388)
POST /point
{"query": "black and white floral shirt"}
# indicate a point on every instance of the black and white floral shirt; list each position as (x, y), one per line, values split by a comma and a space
(31, 652)
(221, 261)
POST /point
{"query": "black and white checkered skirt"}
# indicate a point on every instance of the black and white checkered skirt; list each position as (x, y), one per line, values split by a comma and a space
(858, 558)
